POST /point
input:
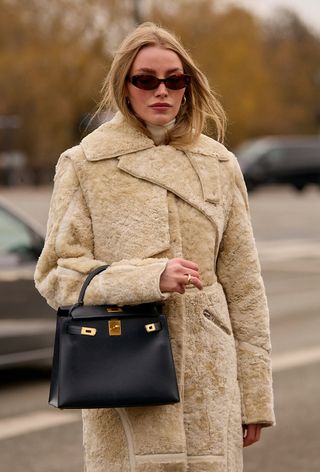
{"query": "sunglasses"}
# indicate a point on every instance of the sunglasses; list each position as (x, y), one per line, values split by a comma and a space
(151, 82)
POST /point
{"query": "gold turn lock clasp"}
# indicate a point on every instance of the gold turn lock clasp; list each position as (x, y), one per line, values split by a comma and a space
(150, 327)
(88, 331)
(114, 327)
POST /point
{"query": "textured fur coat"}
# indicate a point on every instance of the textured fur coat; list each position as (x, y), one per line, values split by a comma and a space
(120, 199)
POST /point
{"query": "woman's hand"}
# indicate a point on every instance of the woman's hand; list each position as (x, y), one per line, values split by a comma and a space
(251, 434)
(175, 276)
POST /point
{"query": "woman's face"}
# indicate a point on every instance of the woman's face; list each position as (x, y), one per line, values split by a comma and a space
(161, 105)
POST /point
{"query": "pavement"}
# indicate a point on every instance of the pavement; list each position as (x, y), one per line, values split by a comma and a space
(34, 437)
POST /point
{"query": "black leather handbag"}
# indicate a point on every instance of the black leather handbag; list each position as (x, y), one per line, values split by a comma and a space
(108, 356)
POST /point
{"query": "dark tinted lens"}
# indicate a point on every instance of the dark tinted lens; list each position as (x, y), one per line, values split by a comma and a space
(150, 82)
(145, 82)
(177, 82)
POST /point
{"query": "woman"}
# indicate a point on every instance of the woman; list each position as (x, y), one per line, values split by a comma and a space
(167, 207)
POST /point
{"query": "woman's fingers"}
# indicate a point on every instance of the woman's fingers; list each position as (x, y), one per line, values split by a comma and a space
(196, 282)
(194, 279)
(252, 433)
(189, 273)
(178, 273)
(183, 265)
(185, 275)
(188, 264)
(189, 268)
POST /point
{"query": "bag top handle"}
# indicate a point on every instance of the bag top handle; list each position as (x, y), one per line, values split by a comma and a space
(88, 280)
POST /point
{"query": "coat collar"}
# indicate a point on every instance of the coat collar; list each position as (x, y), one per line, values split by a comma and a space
(192, 174)
(114, 139)
(117, 138)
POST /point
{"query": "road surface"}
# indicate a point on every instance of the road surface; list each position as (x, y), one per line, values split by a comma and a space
(34, 437)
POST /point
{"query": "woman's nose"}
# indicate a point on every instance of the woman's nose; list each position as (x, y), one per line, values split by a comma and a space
(161, 90)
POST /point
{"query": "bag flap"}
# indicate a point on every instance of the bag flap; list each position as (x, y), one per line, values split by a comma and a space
(112, 311)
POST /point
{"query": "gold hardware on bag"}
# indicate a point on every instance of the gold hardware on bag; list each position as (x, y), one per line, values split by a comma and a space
(114, 309)
(114, 327)
(88, 331)
(150, 327)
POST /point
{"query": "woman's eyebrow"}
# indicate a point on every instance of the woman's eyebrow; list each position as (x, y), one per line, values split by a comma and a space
(152, 71)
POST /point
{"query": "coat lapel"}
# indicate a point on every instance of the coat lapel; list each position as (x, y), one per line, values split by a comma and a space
(192, 174)
(175, 171)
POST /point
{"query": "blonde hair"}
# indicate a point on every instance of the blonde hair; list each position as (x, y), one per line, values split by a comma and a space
(200, 104)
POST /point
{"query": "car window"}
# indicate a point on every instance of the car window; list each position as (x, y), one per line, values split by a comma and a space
(15, 236)
(304, 156)
(250, 152)
(275, 158)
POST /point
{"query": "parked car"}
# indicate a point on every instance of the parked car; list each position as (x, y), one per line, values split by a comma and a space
(293, 160)
(27, 323)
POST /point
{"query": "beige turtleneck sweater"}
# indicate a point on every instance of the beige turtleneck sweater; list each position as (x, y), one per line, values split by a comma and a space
(158, 132)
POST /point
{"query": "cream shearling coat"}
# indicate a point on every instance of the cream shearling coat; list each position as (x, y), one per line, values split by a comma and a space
(120, 199)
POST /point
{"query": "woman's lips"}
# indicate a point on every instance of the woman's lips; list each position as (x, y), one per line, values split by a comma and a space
(160, 106)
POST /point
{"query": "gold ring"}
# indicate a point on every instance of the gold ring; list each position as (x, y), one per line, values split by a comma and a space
(189, 279)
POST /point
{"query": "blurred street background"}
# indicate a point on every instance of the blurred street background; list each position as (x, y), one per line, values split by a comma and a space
(264, 62)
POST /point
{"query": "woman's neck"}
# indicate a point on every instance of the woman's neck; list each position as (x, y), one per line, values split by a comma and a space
(159, 132)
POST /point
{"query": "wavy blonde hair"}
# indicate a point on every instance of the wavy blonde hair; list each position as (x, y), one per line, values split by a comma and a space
(201, 103)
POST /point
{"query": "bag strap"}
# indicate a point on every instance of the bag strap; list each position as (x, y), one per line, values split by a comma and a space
(88, 280)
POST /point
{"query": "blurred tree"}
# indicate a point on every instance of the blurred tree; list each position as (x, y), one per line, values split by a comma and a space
(54, 56)
(293, 54)
(245, 61)
(51, 69)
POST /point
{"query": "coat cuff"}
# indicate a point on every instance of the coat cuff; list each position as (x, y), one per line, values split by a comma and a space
(255, 381)
(129, 282)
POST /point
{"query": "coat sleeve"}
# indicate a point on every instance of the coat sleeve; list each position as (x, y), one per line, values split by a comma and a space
(239, 272)
(68, 255)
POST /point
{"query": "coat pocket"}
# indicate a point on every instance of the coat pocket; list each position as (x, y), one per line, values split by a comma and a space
(212, 316)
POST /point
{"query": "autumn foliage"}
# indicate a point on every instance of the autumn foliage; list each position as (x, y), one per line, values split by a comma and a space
(54, 56)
